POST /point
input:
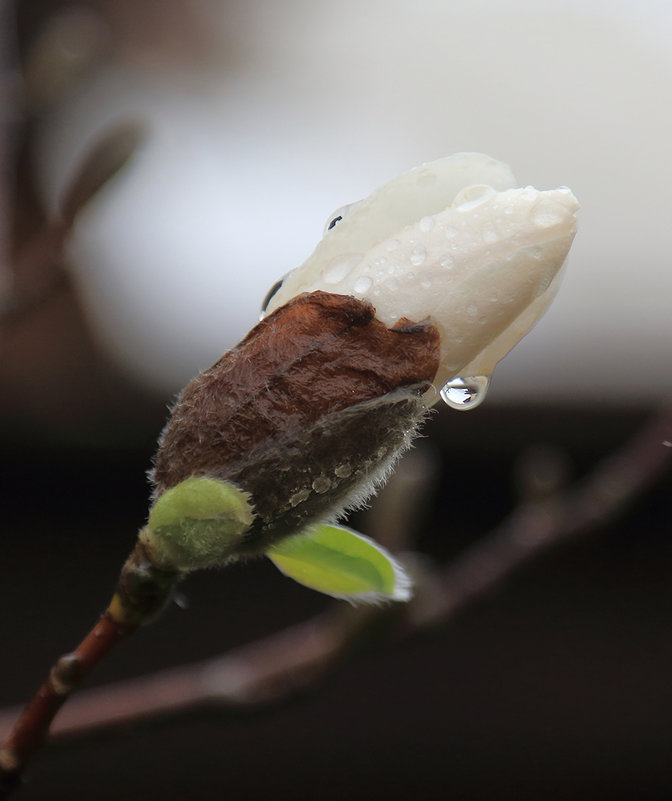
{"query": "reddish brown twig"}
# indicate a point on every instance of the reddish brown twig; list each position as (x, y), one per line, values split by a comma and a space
(141, 593)
(32, 726)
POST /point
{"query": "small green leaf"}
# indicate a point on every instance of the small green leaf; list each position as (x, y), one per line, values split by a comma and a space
(340, 562)
(197, 523)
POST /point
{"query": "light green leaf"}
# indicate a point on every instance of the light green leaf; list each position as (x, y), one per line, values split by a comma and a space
(340, 562)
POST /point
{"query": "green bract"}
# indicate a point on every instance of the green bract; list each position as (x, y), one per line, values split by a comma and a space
(197, 524)
(342, 563)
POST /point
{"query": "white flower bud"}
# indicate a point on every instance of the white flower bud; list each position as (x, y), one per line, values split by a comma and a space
(453, 241)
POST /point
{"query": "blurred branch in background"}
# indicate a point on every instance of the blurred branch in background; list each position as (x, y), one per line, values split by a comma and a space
(38, 269)
(280, 665)
(56, 378)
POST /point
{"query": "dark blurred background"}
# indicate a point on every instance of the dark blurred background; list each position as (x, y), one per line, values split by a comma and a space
(556, 686)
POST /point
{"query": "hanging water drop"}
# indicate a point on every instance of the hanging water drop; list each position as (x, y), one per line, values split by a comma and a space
(465, 392)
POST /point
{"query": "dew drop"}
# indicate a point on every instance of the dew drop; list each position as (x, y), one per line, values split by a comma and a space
(392, 245)
(426, 284)
(392, 284)
(418, 255)
(450, 232)
(472, 196)
(447, 262)
(300, 497)
(490, 235)
(543, 285)
(465, 393)
(426, 224)
(340, 269)
(427, 178)
(362, 285)
(472, 310)
(321, 484)
(343, 470)
(546, 214)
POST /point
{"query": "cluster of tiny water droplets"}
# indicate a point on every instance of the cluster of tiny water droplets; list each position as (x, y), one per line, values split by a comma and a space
(465, 392)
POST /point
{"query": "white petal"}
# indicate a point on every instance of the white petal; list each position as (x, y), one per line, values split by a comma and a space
(450, 241)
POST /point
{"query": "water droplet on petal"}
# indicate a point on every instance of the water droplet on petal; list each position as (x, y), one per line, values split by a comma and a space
(418, 255)
(546, 214)
(426, 284)
(472, 196)
(490, 234)
(340, 269)
(362, 285)
(426, 224)
(450, 232)
(465, 393)
(543, 285)
(393, 244)
(447, 262)
(472, 310)
(427, 178)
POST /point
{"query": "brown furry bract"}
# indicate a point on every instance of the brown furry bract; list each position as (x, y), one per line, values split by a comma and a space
(316, 402)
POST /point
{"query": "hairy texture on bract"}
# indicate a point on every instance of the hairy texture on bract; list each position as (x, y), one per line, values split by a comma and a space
(305, 413)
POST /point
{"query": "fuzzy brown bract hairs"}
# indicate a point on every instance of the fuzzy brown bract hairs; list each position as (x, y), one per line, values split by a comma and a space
(306, 413)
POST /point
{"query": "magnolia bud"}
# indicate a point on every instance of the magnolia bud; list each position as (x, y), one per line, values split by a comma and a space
(437, 275)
